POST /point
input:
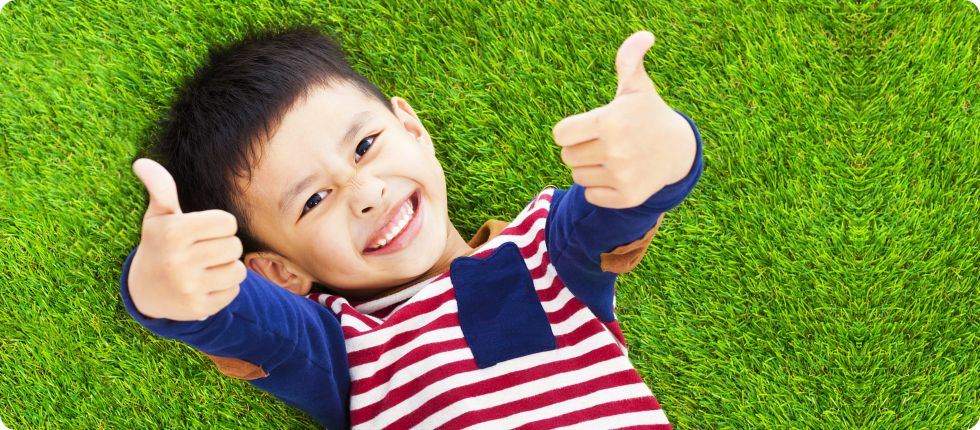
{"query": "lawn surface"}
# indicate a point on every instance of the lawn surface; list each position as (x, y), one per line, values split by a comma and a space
(823, 274)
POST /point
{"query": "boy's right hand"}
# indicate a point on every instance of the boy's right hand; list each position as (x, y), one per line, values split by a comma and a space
(187, 266)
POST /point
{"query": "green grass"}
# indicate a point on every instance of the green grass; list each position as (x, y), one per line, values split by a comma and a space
(824, 273)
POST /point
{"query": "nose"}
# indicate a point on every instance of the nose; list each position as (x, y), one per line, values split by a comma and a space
(366, 192)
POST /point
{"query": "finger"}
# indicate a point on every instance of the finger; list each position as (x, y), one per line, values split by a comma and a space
(216, 252)
(591, 176)
(160, 185)
(223, 277)
(209, 224)
(629, 64)
(578, 128)
(583, 154)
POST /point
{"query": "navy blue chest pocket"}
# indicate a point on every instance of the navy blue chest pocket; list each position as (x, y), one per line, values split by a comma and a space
(499, 310)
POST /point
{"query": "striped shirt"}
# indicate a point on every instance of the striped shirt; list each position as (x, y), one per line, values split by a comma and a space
(411, 367)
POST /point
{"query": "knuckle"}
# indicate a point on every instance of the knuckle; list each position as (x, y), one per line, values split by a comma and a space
(230, 221)
(236, 246)
(185, 289)
(240, 272)
(614, 123)
(198, 309)
(171, 233)
(620, 177)
(171, 268)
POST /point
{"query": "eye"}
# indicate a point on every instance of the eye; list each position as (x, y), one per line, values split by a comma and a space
(363, 146)
(313, 201)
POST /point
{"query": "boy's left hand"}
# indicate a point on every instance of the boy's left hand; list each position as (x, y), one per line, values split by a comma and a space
(624, 152)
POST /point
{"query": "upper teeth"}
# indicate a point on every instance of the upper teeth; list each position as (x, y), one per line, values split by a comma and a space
(397, 228)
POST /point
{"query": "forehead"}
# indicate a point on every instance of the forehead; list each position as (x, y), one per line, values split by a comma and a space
(323, 116)
(324, 110)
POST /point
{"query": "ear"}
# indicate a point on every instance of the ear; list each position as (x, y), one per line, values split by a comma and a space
(406, 115)
(279, 270)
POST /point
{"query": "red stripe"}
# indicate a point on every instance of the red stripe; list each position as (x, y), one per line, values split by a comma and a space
(618, 379)
(604, 410)
(347, 309)
(415, 309)
(492, 385)
(566, 311)
(383, 312)
(538, 272)
(613, 327)
(524, 253)
(526, 224)
(350, 332)
(587, 330)
(404, 392)
(551, 293)
(382, 376)
(578, 335)
(530, 249)
(372, 354)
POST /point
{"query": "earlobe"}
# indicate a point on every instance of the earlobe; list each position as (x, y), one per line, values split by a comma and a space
(277, 269)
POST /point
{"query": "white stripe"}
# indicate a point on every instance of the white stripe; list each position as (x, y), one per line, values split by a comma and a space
(578, 319)
(576, 404)
(467, 378)
(564, 296)
(460, 379)
(367, 369)
(383, 334)
(547, 280)
(398, 297)
(531, 388)
(521, 241)
(623, 420)
(533, 206)
(534, 261)
(348, 320)
(409, 373)
(403, 376)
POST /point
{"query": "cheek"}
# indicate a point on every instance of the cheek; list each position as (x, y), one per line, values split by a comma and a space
(328, 242)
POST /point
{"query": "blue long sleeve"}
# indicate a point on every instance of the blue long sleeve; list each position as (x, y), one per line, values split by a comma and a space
(578, 232)
(297, 342)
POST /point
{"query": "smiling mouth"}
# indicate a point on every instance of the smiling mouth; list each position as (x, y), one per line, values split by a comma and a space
(396, 225)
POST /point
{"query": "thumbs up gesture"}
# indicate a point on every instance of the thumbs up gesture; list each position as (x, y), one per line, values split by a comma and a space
(186, 267)
(624, 152)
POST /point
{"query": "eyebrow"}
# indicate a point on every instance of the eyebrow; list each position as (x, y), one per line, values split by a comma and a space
(355, 128)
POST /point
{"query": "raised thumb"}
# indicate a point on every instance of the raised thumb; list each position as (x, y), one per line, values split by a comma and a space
(160, 185)
(629, 64)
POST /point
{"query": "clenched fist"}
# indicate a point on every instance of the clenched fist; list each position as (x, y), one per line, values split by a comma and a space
(624, 152)
(186, 267)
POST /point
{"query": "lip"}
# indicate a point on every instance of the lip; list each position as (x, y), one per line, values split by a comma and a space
(406, 235)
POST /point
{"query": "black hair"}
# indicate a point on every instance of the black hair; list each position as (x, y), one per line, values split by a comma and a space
(233, 103)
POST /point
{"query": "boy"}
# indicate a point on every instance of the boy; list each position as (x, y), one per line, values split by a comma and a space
(278, 150)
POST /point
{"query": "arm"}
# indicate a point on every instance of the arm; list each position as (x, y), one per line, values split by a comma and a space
(577, 233)
(266, 330)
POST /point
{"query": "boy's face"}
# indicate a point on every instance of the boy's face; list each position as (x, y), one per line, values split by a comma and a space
(334, 182)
